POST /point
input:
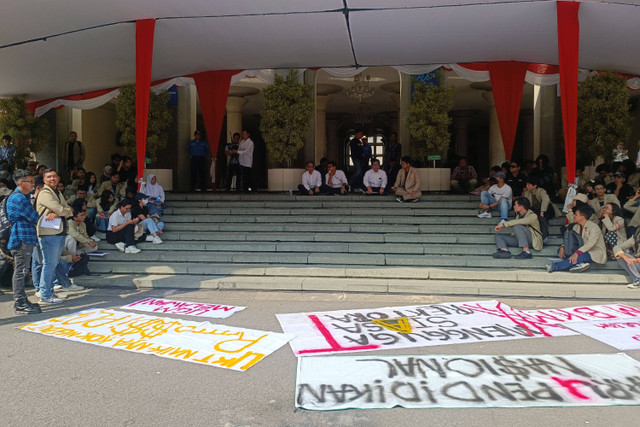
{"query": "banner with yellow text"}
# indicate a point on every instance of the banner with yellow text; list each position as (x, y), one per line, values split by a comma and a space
(206, 343)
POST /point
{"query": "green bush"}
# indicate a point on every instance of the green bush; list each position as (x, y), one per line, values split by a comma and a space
(29, 133)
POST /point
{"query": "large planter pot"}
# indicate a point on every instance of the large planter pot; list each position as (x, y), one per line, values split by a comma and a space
(284, 179)
(435, 179)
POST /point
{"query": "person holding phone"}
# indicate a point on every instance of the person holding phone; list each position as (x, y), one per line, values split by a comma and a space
(121, 229)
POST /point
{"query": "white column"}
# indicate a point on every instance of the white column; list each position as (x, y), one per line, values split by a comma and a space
(186, 125)
(405, 100)
(497, 155)
(234, 115)
(321, 127)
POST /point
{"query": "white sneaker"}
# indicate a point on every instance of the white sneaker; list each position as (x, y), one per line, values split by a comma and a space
(56, 288)
(578, 268)
(121, 246)
(95, 238)
(131, 250)
(484, 214)
(157, 240)
(149, 238)
(73, 287)
(38, 294)
(51, 300)
(634, 285)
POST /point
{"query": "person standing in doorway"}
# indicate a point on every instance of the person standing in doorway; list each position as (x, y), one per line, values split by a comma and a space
(233, 162)
(245, 156)
(199, 151)
(355, 148)
(74, 153)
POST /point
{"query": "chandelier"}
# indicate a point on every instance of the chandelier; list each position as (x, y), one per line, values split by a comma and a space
(361, 88)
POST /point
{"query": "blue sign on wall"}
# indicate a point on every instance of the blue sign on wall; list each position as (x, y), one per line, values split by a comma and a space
(173, 95)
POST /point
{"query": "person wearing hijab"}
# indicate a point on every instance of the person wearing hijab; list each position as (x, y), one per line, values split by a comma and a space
(155, 193)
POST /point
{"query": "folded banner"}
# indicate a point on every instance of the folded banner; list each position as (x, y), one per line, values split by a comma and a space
(205, 343)
(166, 306)
(403, 327)
(469, 381)
(623, 334)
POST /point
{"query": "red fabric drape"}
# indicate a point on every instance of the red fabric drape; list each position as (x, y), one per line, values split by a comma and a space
(507, 81)
(144, 56)
(568, 52)
(213, 89)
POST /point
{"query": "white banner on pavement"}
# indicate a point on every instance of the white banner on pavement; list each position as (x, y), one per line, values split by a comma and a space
(166, 306)
(205, 343)
(623, 334)
(346, 331)
(469, 381)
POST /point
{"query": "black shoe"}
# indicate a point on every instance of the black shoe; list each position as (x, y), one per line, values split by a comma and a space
(88, 272)
(524, 255)
(24, 306)
(500, 254)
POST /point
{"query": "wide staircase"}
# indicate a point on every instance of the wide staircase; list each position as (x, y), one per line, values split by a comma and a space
(342, 243)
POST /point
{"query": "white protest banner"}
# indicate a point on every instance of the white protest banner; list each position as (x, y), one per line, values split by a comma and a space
(205, 343)
(403, 327)
(623, 334)
(470, 381)
(159, 305)
(545, 320)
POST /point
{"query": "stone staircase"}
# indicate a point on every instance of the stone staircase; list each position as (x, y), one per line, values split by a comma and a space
(342, 243)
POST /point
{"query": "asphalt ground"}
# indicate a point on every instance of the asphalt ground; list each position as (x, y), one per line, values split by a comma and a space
(46, 381)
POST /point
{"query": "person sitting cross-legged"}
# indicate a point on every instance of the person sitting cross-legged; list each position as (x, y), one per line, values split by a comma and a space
(375, 179)
(336, 180)
(589, 244)
(121, 230)
(498, 197)
(526, 232)
(407, 186)
(311, 181)
(628, 255)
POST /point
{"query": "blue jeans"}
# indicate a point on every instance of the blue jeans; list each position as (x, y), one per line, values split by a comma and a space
(151, 227)
(503, 206)
(51, 247)
(155, 209)
(62, 269)
(565, 264)
(102, 223)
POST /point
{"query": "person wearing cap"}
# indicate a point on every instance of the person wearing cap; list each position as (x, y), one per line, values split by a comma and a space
(526, 232)
(139, 210)
(620, 188)
(199, 151)
(498, 197)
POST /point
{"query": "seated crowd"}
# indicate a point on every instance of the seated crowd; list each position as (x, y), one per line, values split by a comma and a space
(57, 222)
(601, 222)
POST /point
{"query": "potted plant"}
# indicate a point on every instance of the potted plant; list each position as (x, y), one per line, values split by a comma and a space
(428, 123)
(603, 117)
(284, 125)
(29, 133)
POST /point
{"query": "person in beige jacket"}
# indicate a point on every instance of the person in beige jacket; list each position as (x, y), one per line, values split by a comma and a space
(407, 186)
(593, 248)
(52, 230)
(602, 198)
(526, 232)
(628, 255)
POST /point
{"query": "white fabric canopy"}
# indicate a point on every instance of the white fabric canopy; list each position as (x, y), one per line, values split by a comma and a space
(50, 49)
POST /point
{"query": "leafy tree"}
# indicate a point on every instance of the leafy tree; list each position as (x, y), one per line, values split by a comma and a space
(159, 121)
(428, 120)
(603, 116)
(286, 114)
(29, 133)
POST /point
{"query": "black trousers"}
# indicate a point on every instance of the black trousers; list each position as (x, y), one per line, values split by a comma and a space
(198, 172)
(247, 180)
(125, 235)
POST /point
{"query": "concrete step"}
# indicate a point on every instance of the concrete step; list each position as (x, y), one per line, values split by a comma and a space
(412, 285)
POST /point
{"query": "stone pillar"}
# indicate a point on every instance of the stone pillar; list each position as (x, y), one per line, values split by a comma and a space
(309, 150)
(405, 100)
(186, 125)
(321, 127)
(497, 155)
(461, 120)
(234, 115)
(526, 123)
(544, 111)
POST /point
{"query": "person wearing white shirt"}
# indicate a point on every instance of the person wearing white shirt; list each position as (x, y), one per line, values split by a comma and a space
(245, 157)
(311, 181)
(336, 180)
(497, 198)
(375, 179)
(121, 230)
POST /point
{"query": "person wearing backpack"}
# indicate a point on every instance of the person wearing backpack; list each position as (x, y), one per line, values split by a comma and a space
(23, 239)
